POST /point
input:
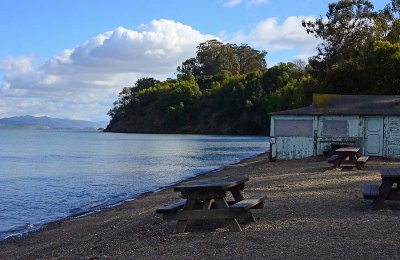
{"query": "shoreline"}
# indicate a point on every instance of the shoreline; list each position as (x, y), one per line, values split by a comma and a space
(90, 212)
(311, 211)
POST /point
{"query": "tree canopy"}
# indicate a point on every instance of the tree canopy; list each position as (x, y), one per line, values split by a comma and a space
(228, 89)
(352, 34)
(217, 59)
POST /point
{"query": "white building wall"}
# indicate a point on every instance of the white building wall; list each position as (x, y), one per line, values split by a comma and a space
(392, 137)
(338, 130)
(317, 133)
(294, 137)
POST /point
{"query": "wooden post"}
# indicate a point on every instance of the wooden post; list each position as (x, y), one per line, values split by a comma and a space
(233, 223)
(181, 225)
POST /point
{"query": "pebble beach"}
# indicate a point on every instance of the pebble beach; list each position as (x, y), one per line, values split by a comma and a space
(311, 212)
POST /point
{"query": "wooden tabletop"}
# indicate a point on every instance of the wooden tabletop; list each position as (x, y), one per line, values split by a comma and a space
(390, 173)
(211, 184)
(348, 149)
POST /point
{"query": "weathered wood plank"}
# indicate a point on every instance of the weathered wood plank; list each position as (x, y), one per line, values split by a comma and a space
(171, 207)
(390, 173)
(347, 163)
(206, 214)
(362, 160)
(393, 195)
(212, 184)
(385, 173)
(371, 191)
(245, 205)
(181, 225)
(203, 195)
(348, 149)
(233, 223)
(333, 158)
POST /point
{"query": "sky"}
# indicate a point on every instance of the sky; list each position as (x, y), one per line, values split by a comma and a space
(71, 58)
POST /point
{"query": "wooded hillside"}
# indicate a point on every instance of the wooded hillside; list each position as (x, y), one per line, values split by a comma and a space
(228, 89)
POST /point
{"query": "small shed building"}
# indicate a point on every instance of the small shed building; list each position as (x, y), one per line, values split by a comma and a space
(366, 121)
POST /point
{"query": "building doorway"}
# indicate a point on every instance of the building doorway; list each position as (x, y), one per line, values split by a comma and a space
(373, 142)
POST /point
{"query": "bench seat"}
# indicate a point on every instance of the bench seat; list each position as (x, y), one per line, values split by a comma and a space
(371, 191)
(362, 159)
(333, 158)
(254, 202)
(171, 208)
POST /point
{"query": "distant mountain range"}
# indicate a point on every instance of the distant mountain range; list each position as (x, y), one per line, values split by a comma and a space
(48, 122)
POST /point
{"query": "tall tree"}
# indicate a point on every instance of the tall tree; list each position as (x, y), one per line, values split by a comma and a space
(189, 66)
(348, 26)
(250, 59)
(215, 58)
(390, 21)
(347, 31)
(144, 83)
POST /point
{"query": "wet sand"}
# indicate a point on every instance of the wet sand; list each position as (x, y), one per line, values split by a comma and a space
(312, 212)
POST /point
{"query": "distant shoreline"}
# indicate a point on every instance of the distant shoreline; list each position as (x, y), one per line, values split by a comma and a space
(188, 132)
(49, 122)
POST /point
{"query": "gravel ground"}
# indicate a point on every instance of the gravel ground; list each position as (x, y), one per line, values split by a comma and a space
(312, 212)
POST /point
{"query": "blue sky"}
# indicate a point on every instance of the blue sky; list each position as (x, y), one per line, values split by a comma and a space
(70, 58)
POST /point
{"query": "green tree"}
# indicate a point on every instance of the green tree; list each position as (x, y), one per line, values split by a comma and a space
(215, 60)
(214, 57)
(189, 66)
(144, 83)
(385, 64)
(349, 32)
(250, 59)
(280, 75)
(347, 27)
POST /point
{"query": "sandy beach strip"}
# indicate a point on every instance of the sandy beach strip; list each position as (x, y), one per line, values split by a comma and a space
(312, 212)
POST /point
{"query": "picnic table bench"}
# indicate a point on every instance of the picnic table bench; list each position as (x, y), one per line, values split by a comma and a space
(385, 191)
(348, 156)
(206, 199)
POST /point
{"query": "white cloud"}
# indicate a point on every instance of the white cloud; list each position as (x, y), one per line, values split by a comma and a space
(84, 81)
(274, 37)
(232, 3)
(257, 2)
(250, 3)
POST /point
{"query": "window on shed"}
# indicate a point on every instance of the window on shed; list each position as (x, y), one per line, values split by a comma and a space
(293, 128)
(335, 128)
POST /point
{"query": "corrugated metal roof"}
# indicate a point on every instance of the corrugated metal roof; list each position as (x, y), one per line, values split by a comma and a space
(330, 104)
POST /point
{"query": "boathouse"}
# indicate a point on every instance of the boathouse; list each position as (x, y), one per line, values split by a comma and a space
(366, 121)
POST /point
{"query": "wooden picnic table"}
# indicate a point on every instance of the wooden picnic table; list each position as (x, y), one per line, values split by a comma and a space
(206, 199)
(345, 156)
(386, 190)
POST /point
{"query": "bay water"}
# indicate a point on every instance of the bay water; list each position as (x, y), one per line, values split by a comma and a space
(48, 174)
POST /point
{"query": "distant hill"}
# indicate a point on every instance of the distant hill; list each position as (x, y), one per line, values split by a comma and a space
(48, 122)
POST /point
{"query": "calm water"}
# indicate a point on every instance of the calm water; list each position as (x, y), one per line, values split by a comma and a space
(46, 175)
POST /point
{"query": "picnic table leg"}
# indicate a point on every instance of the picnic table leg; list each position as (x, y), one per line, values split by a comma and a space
(237, 195)
(384, 191)
(181, 225)
(337, 162)
(354, 159)
(207, 204)
(233, 223)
